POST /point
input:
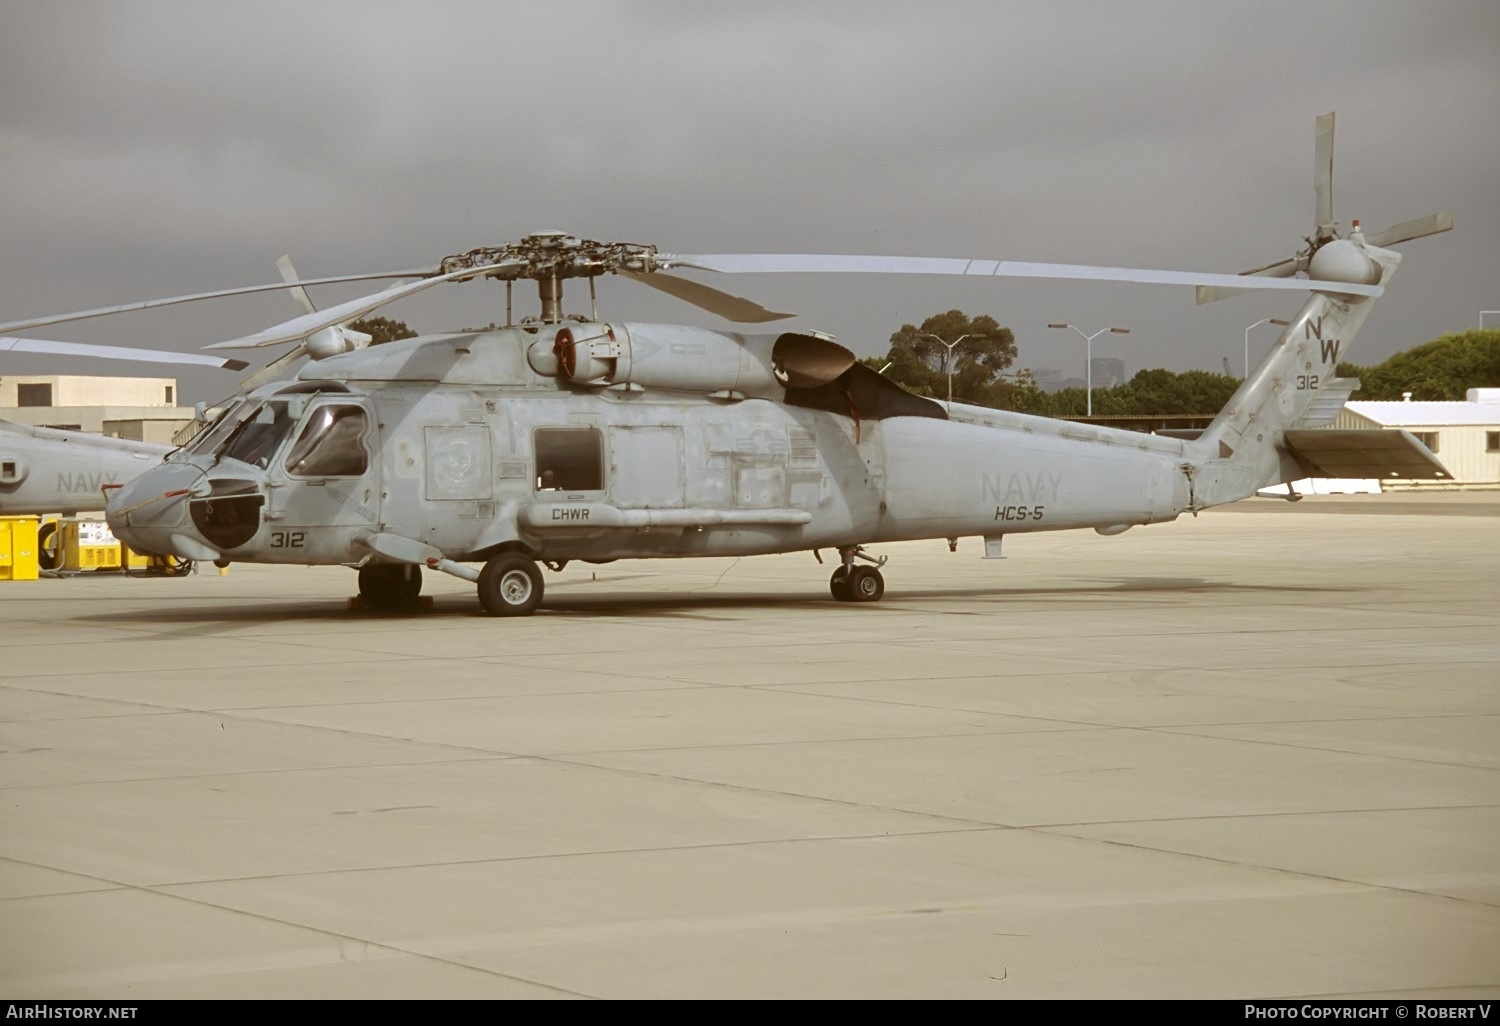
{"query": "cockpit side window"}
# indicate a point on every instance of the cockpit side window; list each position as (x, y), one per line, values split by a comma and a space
(331, 443)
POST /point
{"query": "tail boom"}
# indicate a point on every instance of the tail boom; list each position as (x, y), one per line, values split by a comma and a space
(1243, 449)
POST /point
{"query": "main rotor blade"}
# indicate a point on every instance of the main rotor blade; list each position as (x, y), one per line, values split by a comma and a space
(39, 345)
(1432, 224)
(771, 263)
(274, 370)
(105, 311)
(1323, 171)
(731, 308)
(1280, 269)
(299, 328)
(299, 294)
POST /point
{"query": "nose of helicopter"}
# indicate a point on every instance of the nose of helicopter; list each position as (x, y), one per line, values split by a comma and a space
(150, 512)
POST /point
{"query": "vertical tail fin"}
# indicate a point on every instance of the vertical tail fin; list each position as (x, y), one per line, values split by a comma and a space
(1242, 451)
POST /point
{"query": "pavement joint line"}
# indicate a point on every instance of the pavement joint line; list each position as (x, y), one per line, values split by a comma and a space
(1275, 743)
(258, 960)
(268, 771)
(1278, 814)
(946, 826)
(1306, 874)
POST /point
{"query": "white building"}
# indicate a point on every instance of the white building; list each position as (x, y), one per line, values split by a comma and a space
(1465, 435)
(144, 409)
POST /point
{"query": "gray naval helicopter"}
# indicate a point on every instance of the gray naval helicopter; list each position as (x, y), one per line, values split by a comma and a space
(48, 470)
(564, 438)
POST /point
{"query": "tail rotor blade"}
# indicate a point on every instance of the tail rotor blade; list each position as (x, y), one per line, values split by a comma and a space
(1323, 172)
(1279, 269)
(1407, 230)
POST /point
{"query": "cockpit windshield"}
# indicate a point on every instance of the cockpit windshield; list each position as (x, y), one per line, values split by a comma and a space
(209, 439)
(251, 432)
(330, 443)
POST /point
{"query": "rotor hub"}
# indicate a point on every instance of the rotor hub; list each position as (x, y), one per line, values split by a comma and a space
(544, 256)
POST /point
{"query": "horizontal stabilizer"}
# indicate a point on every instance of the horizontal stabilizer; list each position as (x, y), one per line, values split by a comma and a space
(1365, 453)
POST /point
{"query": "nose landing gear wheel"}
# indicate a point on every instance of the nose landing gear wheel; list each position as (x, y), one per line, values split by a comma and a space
(839, 585)
(510, 585)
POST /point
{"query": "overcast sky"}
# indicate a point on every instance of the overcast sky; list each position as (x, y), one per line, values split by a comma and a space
(156, 149)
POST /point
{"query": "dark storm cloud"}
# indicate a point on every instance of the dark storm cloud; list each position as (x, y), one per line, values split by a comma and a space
(158, 148)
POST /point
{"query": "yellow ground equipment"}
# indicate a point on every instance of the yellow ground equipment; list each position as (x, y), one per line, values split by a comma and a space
(19, 549)
(89, 545)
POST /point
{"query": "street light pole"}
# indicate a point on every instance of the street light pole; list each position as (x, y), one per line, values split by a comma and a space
(950, 346)
(1263, 320)
(1088, 369)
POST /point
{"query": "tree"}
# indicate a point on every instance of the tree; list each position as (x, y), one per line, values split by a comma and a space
(382, 329)
(972, 353)
(1443, 369)
(1155, 392)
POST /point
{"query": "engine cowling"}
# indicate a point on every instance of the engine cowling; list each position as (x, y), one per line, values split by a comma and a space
(683, 358)
(589, 354)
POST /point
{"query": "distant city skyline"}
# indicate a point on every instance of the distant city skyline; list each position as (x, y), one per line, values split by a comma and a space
(1108, 371)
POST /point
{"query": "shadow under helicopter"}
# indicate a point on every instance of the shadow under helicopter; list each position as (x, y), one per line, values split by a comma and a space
(229, 614)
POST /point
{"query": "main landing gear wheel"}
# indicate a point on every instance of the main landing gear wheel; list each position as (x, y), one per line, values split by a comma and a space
(510, 585)
(866, 584)
(387, 587)
(860, 584)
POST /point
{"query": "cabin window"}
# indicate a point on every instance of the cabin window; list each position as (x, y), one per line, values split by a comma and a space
(33, 395)
(331, 444)
(569, 460)
(1429, 439)
(1492, 441)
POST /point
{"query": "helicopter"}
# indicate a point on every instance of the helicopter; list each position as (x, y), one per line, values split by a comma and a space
(559, 438)
(53, 470)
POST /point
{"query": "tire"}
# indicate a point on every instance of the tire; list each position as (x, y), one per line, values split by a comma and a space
(838, 584)
(866, 584)
(510, 585)
(385, 587)
(49, 546)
